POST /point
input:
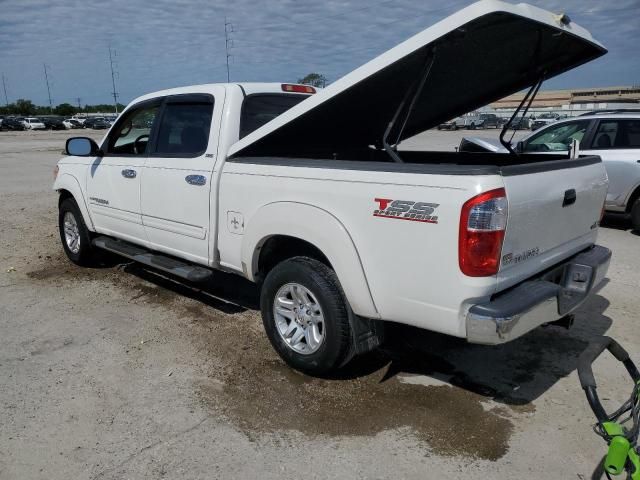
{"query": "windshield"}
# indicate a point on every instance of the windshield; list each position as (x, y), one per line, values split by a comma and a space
(261, 108)
(556, 138)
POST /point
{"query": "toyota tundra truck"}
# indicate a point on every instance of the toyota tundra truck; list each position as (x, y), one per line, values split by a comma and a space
(309, 194)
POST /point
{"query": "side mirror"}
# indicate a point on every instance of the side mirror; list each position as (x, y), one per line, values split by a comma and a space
(520, 146)
(82, 147)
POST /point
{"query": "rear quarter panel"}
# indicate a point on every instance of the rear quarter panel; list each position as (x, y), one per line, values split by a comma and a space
(411, 267)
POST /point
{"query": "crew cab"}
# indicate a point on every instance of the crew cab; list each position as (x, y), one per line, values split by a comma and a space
(307, 194)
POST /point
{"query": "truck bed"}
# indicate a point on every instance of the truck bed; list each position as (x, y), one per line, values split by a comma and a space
(411, 266)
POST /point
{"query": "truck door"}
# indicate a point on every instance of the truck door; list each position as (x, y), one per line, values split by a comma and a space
(617, 142)
(113, 181)
(176, 184)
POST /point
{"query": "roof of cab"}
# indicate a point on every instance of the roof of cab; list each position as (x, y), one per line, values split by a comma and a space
(482, 53)
(249, 88)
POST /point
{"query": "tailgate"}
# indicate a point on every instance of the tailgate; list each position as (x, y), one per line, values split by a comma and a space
(554, 209)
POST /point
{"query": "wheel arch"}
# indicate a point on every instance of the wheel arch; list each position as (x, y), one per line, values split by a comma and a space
(68, 187)
(635, 194)
(324, 237)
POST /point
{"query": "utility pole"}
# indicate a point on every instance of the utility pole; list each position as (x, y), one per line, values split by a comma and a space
(79, 103)
(4, 85)
(113, 79)
(228, 41)
(46, 79)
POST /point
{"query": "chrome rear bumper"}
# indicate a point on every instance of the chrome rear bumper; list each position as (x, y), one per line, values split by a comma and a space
(543, 299)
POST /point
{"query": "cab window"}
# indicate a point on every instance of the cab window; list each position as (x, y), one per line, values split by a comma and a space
(260, 108)
(131, 135)
(557, 138)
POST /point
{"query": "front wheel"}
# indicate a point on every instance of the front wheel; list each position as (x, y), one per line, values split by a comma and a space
(635, 216)
(74, 234)
(306, 316)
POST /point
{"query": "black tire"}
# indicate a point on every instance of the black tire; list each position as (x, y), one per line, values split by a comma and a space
(635, 216)
(86, 254)
(323, 283)
(472, 126)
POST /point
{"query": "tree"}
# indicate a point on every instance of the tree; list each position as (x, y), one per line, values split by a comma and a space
(314, 79)
(65, 110)
(25, 107)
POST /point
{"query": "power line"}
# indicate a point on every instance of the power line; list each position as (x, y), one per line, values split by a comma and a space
(113, 79)
(228, 42)
(4, 85)
(46, 78)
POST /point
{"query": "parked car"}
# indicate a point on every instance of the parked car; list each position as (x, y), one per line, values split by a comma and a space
(452, 124)
(341, 235)
(79, 119)
(612, 135)
(482, 120)
(97, 123)
(53, 123)
(70, 123)
(521, 123)
(543, 120)
(32, 123)
(13, 123)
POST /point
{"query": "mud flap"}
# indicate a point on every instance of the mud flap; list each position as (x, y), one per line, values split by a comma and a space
(366, 335)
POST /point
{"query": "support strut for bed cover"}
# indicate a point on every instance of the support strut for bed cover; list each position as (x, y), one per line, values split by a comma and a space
(416, 90)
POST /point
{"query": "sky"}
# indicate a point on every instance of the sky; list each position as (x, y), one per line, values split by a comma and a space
(167, 43)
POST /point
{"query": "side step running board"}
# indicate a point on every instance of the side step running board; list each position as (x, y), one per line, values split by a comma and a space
(181, 269)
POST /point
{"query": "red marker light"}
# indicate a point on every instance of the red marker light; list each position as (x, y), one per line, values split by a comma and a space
(291, 87)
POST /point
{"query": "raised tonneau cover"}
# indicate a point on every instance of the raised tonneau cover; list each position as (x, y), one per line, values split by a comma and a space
(482, 53)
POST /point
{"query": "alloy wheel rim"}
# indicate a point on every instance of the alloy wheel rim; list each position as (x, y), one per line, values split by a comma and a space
(299, 318)
(71, 232)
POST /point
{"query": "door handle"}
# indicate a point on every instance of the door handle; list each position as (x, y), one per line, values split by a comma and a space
(127, 173)
(569, 197)
(196, 179)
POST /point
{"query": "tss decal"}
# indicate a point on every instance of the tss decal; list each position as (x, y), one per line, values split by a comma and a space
(406, 210)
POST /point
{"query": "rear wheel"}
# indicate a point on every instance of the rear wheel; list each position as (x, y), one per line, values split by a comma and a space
(74, 234)
(305, 315)
(635, 215)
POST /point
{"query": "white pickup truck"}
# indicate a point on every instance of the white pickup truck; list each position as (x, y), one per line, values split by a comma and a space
(307, 194)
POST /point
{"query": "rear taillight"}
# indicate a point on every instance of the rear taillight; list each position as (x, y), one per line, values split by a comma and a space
(292, 87)
(482, 224)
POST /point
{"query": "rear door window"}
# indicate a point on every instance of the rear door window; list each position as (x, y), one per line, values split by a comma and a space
(617, 134)
(261, 108)
(184, 126)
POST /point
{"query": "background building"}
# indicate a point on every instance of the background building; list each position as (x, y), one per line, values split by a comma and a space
(578, 100)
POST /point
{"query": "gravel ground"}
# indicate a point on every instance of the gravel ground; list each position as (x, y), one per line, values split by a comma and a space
(118, 372)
